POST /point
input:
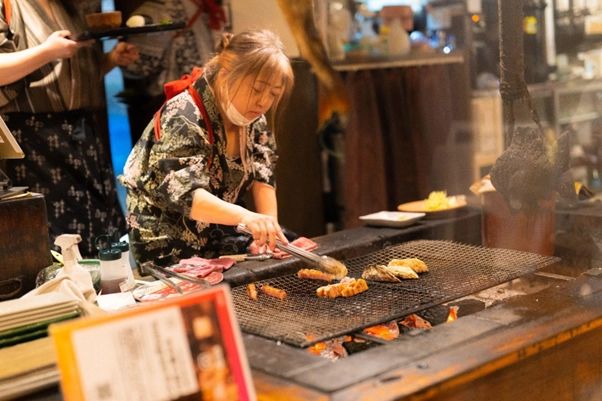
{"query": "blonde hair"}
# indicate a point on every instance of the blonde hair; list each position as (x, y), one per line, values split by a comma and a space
(257, 53)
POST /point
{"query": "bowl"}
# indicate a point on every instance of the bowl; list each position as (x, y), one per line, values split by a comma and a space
(102, 21)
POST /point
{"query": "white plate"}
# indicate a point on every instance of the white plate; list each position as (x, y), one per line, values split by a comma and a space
(391, 219)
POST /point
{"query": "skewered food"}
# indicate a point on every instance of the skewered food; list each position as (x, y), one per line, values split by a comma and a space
(252, 291)
(348, 287)
(379, 273)
(273, 291)
(313, 274)
(413, 263)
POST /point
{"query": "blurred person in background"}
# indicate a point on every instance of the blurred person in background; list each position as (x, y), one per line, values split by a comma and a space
(55, 108)
(166, 56)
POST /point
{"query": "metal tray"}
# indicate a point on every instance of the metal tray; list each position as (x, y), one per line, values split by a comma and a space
(455, 270)
(127, 31)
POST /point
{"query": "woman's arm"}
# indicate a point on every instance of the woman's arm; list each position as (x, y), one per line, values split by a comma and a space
(14, 66)
(208, 208)
(264, 196)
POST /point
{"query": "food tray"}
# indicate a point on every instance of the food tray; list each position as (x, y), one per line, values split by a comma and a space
(127, 31)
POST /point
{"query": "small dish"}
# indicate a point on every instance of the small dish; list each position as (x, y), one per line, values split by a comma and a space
(103, 21)
(391, 219)
(127, 31)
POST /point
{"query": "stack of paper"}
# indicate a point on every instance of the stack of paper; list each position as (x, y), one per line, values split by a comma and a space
(23, 323)
(28, 318)
(32, 367)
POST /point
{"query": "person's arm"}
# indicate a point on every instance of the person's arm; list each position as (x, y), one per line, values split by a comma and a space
(16, 65)
(264, 197)
(208, 208)
(121, 55)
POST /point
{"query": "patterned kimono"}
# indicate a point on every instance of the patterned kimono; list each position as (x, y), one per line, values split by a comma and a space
(162, 175)
(56, 114)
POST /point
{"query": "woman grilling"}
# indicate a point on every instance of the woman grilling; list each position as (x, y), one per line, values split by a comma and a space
(203, 149)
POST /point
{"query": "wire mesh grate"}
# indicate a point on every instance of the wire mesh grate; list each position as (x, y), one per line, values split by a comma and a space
(455, 270)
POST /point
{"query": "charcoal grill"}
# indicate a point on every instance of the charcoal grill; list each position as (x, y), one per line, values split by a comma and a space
(455, 270)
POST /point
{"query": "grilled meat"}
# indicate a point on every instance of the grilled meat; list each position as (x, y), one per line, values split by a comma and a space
(348, 287)
(313, 274)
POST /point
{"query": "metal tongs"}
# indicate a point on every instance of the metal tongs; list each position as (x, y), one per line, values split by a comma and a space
(324, 263)
(163, 274)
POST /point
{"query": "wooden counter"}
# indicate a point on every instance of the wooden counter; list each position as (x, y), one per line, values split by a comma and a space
(542, 346)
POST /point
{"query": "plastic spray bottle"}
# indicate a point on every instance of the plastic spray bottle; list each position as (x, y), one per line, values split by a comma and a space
(71, 256)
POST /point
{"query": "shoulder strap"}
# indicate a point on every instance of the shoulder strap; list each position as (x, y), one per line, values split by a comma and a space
(198, 101)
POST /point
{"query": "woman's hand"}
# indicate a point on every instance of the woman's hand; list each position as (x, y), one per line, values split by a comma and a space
(123, 54)
(265, 229)
(59, 46)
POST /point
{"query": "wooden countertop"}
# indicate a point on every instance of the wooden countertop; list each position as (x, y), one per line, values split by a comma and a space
(413, 59)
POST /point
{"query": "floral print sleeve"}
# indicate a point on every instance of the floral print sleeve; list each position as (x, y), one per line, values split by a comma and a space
(175, 165)
(264, 153)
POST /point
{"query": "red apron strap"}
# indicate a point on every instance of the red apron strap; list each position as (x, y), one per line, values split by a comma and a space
(157, 123)
(196, 97)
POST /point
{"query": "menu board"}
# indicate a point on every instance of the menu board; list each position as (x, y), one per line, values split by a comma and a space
(186, 348)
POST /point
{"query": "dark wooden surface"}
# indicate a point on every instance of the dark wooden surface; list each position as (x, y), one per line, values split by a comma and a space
(299, 167)
(24, 244)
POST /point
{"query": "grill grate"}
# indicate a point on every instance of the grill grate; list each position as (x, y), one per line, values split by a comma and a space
(455, 270)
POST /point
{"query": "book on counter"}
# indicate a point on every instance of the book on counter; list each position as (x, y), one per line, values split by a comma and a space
(24, 341)
(185, 348)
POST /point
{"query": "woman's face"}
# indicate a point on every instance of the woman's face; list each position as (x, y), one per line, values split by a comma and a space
(254, 96)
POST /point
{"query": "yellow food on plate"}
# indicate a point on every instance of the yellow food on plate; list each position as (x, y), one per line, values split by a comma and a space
(437, 200)
(413, 263)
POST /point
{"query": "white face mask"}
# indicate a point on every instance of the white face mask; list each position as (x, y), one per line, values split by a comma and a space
(235, 117)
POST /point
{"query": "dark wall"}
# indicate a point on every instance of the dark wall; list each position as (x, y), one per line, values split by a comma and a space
(299, 172)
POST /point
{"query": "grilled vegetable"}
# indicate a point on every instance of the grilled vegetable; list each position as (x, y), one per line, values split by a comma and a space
(273, 291)
(252, 291)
